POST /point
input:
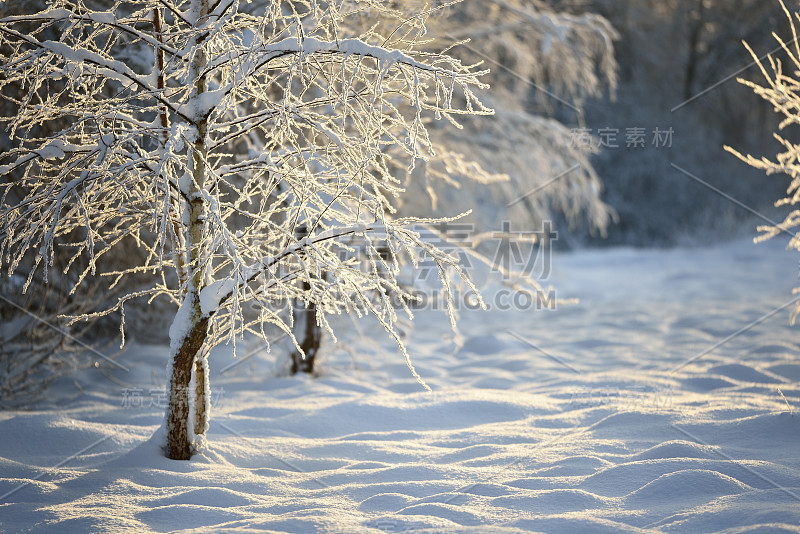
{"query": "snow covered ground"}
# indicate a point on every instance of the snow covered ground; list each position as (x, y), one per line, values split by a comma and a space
(665, 401)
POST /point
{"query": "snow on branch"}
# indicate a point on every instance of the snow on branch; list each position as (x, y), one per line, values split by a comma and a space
(249, 156)
(782, 91)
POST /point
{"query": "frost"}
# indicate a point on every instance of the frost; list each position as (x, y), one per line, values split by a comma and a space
(111, 69)
(782, 91)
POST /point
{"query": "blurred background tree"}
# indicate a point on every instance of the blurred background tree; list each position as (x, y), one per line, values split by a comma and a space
(679, 60)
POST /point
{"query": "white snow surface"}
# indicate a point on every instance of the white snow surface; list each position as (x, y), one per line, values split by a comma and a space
(602, 428)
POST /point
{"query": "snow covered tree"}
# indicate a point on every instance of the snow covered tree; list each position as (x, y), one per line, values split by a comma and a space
(206, 133)
(782, 90)
(544, 63)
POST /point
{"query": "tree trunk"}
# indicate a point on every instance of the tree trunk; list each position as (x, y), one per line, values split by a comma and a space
(305, 326)
(191, 337)
(179, 446)
(311, 335)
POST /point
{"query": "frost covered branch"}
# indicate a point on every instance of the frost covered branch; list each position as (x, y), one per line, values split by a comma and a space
(782, 90)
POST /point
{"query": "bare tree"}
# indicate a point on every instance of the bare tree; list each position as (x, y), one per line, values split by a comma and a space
(159, 99)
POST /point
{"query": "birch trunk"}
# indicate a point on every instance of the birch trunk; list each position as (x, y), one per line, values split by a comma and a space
(189, 337)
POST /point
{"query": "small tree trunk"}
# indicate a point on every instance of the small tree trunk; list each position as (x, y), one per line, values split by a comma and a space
(179, 446)
(310, 334)
(306, 329)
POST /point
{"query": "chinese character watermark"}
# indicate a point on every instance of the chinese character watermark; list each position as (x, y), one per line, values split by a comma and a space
(630, 138)
(521, 252)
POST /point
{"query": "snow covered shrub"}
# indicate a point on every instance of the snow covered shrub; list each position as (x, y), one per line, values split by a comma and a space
(204, 134)
(782, 90)
(37, 343)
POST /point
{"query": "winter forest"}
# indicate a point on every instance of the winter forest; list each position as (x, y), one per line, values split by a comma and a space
(399, 266)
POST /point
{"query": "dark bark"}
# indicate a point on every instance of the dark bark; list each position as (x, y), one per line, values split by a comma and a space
(311, 337)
